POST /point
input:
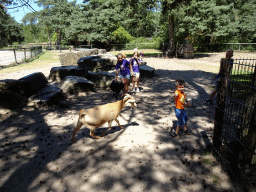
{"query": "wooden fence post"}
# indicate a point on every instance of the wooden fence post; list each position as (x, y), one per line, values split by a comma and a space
(220, 105)
(15, 56)
(25, 54)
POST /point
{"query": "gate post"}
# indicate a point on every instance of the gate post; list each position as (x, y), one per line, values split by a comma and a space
(220, 104)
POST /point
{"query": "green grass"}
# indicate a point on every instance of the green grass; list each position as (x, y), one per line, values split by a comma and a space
(207, 161)
(42, 61)
(236, 72)
(216, 179)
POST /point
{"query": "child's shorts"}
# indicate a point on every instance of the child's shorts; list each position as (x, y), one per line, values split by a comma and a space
(125, 77)
(181, 116)
(136, 76)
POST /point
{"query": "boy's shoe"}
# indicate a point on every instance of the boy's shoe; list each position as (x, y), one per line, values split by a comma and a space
(133, 90)
(138, 90)
(209, 101)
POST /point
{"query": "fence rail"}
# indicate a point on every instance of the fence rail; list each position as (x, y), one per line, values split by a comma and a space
(159, 46)
(18, 55)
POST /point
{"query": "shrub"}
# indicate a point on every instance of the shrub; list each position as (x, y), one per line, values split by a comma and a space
(121, 36)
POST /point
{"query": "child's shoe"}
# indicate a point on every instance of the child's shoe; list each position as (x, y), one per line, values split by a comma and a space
(133, 90)
(138, 90)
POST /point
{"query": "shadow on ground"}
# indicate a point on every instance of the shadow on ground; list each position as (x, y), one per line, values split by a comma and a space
(37, 155)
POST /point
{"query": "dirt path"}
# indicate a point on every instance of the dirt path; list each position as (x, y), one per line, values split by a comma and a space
(36, 154)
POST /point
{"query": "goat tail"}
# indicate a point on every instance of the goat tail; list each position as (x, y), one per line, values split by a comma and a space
(82, 113)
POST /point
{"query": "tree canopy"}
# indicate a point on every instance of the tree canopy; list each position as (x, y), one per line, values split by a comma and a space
(10, 30)
(121, 21)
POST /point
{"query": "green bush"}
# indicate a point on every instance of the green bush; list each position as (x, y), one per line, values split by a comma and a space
(121, 36)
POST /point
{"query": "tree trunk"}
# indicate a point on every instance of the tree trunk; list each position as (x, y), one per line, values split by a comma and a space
(60, 36)
(171, 35)
(48, 34)
(57, 36)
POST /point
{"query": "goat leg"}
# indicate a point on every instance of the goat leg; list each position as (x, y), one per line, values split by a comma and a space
(109, 127)
(93, 135)
(79, 125)
(119, 124)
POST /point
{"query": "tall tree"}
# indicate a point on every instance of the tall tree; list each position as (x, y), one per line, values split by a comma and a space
(208, 21)
(104, 17)
(101, 19)
(10, 30)
(138, 17)
(170, 14)
(58, 14)
(200, 20)
(246, 18)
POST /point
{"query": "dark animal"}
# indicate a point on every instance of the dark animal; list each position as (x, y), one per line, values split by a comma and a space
(116, 88)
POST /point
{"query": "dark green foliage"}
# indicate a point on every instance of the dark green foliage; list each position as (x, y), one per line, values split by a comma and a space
(120, 35)
(10, 30)
(246, 18)
(200, 22)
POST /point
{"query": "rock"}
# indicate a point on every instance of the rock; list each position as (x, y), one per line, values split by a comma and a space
(94, 51)
(112, 60)
(101, 51)
(59, 73)
(101, 79)
(68, 59)
(33, 83)
(146, 71)
(101, 64)
(74, 84)
(85, 62)
(47, 96)
(87, 52)
(186, 50)
(11, 93)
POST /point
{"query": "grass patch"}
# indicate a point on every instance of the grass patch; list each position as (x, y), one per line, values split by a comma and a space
(207, 161)
(41, 61)
(216, 179)
(203, 67)
(207, 157)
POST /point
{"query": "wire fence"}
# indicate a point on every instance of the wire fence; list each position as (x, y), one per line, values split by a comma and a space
(18, 55)
(251, 47)
(234, 123)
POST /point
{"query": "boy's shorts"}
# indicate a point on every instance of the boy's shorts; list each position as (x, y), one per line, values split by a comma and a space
(125, 77)
(181, 116)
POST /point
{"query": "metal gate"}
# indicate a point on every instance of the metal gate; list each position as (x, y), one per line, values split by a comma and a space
(234, 138)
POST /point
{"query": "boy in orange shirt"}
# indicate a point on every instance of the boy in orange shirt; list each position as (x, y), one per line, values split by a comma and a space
(180, 103)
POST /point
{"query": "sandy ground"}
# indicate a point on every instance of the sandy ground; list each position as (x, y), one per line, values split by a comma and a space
(37, 155)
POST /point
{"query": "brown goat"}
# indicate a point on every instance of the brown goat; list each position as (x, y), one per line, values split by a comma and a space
(95, 117)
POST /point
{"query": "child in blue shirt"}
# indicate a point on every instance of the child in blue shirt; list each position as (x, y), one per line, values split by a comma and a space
(135, 62)
(124, 67)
